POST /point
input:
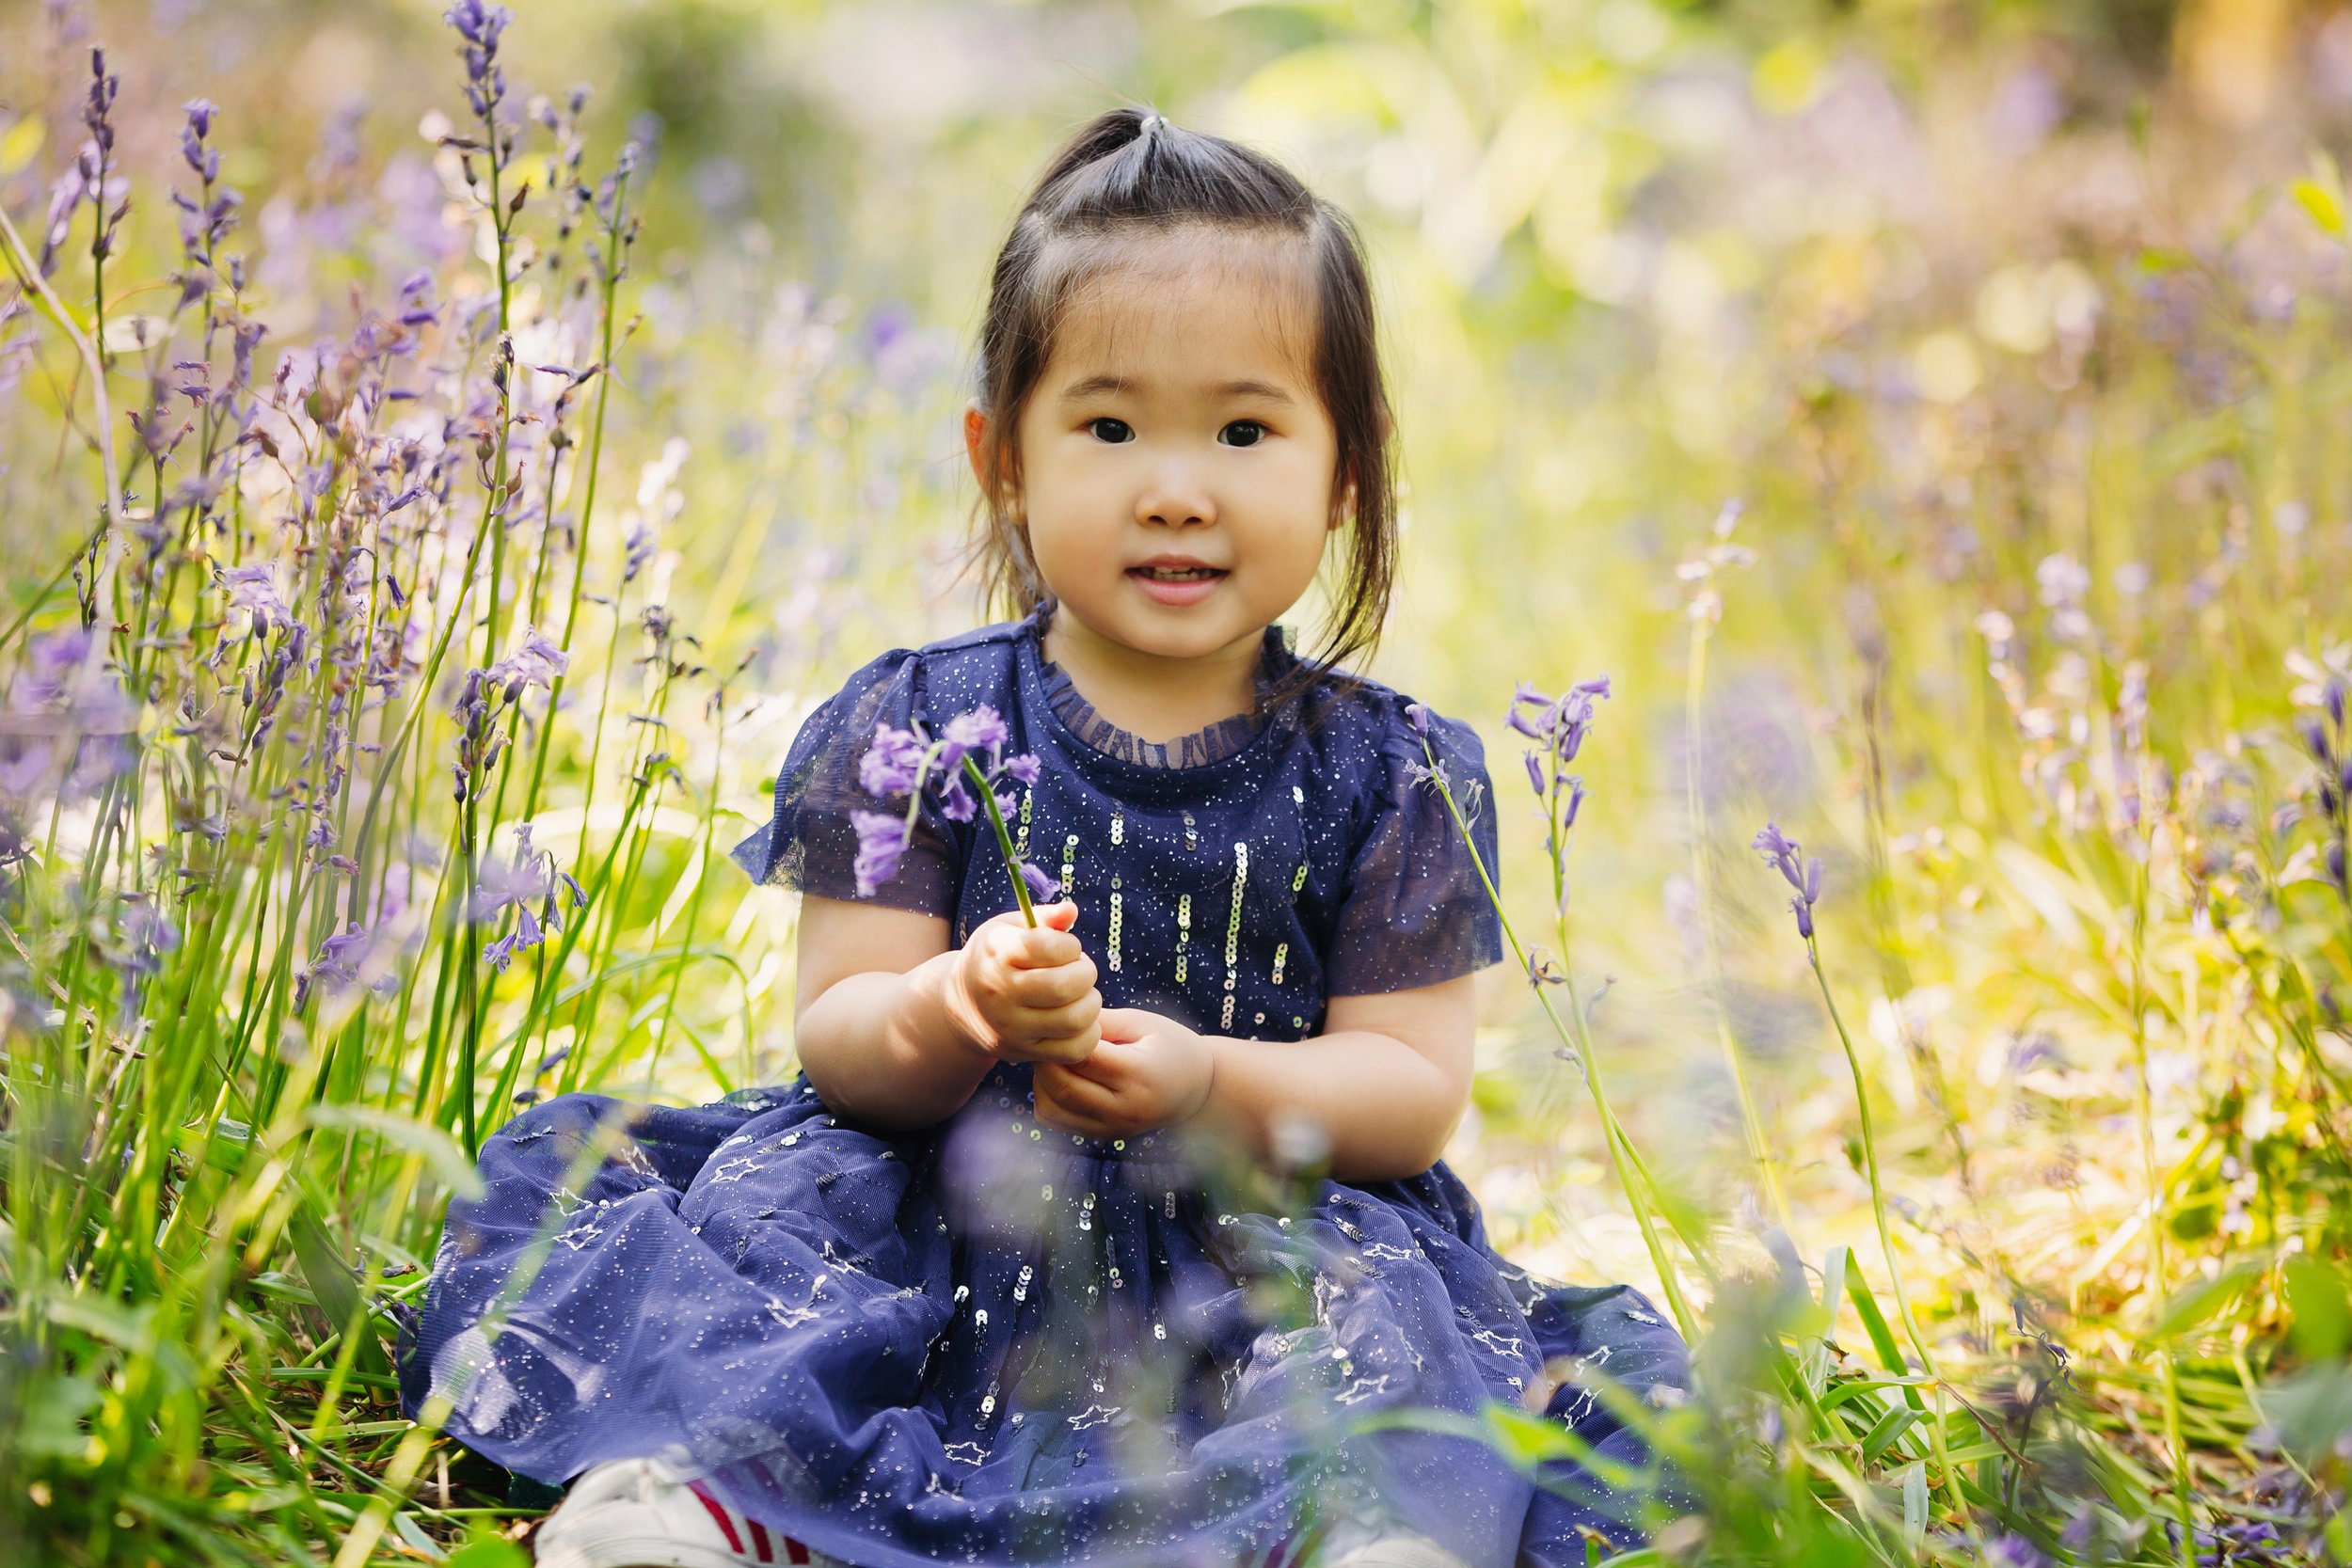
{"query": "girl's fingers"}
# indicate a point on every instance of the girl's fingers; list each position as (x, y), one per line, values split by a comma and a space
(1042, 948)
(1108, 1063)
(1052, 988)
(1082, 1094)
(1054, 1022)
(1125, 1023)
(1064, 1049)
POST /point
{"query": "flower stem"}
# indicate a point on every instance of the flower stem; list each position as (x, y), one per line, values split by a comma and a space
(1003, 839)
(1621, 1152)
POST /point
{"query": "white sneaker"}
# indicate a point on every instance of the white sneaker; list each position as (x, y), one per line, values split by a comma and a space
(1355, 1547)
(637, 1513)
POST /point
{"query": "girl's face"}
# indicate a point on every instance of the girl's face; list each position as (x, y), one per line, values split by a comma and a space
(1176, 461)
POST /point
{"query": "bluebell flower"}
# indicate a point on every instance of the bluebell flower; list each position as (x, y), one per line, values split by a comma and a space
(882, 837)
(892, 763)
(1805, 875)
(899, 762)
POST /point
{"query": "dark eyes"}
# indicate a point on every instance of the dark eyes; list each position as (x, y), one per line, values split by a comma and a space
(1120, 431)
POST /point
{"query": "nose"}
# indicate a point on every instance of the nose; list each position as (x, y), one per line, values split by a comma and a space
(1174, 498)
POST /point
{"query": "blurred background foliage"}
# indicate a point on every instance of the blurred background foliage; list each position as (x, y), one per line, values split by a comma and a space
(1931, 416)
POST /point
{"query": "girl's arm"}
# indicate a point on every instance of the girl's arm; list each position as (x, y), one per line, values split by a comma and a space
(895, 1029)
(1388, 1079)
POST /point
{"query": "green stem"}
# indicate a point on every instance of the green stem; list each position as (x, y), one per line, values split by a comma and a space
(1621, 1152)
(1003, 839)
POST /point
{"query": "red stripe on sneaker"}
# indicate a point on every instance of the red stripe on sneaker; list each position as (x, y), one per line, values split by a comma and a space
(727, 1526)
(760, 1541)
(794, 1551)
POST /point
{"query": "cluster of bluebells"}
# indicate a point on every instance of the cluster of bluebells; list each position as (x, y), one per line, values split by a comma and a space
(341, 962)
(92, 178)
(1434, 772)
(535, 661)
(480, 26)
(531, 876)
(1560, 724)
(206, 218)
(2329, 739)
(1802, 872)
(906, 762)
(70, 727)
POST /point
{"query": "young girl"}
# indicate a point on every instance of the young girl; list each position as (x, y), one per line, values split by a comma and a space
(1099, 1239)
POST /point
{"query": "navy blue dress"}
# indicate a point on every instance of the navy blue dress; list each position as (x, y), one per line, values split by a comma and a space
(993, 1342)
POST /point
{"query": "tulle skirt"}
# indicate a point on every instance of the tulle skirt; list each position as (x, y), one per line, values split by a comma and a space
(994, 1342)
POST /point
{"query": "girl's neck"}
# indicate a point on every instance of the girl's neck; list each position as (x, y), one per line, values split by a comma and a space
(1151, 697)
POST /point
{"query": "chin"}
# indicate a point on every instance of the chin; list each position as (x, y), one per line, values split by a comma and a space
(1174, 638)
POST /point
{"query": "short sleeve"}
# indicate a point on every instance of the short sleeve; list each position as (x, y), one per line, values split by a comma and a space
(1415, 910)
(811, 843)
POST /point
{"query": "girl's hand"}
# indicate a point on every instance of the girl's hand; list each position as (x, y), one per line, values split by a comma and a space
(1149, 1071)
(1025, 993)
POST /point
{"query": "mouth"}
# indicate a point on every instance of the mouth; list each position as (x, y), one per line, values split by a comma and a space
(1177, 574)
(1177, 580)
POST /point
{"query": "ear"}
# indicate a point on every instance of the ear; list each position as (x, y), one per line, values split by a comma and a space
(976, 442)
(1343, 508)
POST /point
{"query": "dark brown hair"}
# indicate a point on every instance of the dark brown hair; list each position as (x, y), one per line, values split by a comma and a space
(1129, 173)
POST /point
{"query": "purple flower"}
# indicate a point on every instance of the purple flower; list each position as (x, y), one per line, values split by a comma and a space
(980, 730)
(535, 661)
(900, 761)
(882, 837)
(1561, 721)
(637, 545)
(1781, 850)
(892, 764)
(1787, 856)
(254, 589)
(2013, 1551)
(1418, 717)
(339, 964)
(1512, 719)
(480, 26)
(1043, 889)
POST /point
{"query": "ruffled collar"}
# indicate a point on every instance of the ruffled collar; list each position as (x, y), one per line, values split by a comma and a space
(1211, 744)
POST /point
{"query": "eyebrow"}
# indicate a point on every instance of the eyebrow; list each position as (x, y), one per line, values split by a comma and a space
(1096, 386)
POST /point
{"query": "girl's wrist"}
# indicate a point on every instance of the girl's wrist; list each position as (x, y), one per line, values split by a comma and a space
(945, 1024)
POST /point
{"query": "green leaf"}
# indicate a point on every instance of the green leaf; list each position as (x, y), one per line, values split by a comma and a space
(488, 1551)
(52, 1417)
(2197, 1304)
(2320, 205)
(129, 1329)
(2323, 1314)
(442, 1156)
(1528, 1440)
(1916, 1505)
(323, 1267)
(406, 1528)
(1889, 1431)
